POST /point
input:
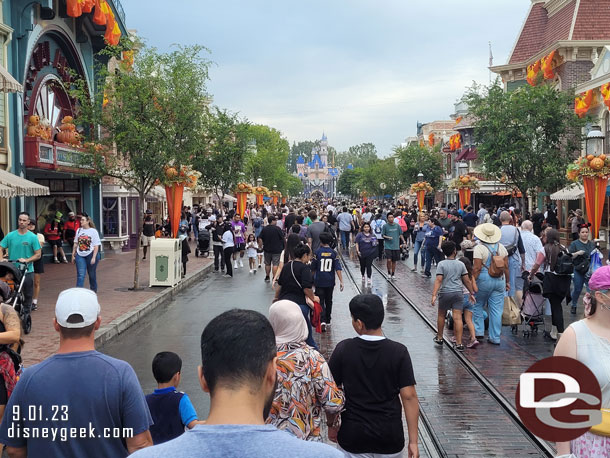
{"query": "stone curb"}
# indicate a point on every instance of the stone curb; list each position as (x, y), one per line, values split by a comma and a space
(125, 321)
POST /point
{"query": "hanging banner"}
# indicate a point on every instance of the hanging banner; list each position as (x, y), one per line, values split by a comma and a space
(259, 199)
(421, 196)
(465, 194)
(242, 200)
(174, 194)
(595, 195)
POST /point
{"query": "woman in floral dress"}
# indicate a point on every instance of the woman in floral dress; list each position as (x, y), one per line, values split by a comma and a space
(305, 386)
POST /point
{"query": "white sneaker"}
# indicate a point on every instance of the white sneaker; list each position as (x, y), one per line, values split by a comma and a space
(235, 264)
(370, 282)
(393, 277)
(363, 279)
(241, 263)
(251, 271)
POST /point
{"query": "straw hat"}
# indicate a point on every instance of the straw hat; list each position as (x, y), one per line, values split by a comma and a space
(488, 233)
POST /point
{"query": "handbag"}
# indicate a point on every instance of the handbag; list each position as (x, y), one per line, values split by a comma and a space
(603, 429)
(512, 313)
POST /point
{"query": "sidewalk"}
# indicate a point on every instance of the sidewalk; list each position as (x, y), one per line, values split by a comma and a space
(114, 277)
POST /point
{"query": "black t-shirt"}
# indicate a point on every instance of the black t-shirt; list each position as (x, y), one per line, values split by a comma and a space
(332, 220)
(273, 239)
(372, 374)
(459, 232)
(470, 219)
(148, 230)
(292, 286)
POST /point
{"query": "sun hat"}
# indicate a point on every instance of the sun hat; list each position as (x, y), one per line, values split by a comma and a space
(77, 301)
(488, 233)
(600, 280)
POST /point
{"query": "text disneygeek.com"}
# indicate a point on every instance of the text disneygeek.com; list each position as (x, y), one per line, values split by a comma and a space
(65, 433)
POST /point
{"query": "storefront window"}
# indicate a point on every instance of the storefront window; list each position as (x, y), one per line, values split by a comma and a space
(110, 208)
(123, 215)
(48, 208)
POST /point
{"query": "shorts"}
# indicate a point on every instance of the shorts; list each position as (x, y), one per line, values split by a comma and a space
(146, 240)
(450, 301)
(39, 266)
(57, 243)
(272, 258)
(467, 305)
(240, 247)
(392, 255)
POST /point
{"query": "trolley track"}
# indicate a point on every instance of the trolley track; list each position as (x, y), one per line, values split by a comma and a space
(537, 446)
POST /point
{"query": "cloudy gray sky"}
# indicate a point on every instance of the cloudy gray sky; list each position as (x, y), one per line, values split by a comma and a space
(360, 70)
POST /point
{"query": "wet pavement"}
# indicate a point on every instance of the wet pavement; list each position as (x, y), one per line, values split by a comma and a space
(466, 420)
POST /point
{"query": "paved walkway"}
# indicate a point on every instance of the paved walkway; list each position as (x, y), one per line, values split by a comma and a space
(114, 277)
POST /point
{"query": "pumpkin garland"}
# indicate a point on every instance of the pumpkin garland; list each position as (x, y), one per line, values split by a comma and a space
(421, 186)
(180, 175)
(465, 182)
(589, 166)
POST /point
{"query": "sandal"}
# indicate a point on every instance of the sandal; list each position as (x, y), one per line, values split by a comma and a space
(438, 341)
(459, 347)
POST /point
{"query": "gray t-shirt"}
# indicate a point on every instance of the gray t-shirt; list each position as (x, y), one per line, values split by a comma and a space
(88, 392)
(219, 441)
(345, 221)
(452, 271)
(313, 232)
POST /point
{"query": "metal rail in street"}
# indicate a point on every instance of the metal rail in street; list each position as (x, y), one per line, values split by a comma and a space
(544, 448)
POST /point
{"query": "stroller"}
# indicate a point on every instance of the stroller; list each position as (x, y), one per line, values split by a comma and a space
(203, 243)
(16, 291)
(532, 308)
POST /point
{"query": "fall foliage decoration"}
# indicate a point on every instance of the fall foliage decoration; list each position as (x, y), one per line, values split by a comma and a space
(546, 65)
(431, 139)
(589, 166)
(583, 102)
(184, 175)
(465, 182)
(532, 73)
(455, 142)
(67, 132)
(102, 15)
(605, 90)
(421, 186)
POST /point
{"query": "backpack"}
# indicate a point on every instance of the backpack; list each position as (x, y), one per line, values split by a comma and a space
(257, 223)
(377, 228)
(564, 264)
(496, 265)
(402, 224)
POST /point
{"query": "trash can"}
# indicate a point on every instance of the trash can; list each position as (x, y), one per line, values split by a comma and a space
(165, 262)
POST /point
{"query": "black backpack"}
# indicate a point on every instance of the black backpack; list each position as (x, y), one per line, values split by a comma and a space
(564, 264)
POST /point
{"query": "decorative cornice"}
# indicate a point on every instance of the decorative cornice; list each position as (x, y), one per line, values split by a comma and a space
(554, 6)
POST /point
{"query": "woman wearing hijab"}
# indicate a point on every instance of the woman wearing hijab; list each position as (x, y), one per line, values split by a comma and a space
(588, 341)
(305, 385)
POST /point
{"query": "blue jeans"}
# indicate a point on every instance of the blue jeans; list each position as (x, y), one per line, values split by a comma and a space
(491, 292)
(579, 282)
(432, 252)
(306, 313)
(345, 238)
(417, 248)
(514, 271)
(83, 265)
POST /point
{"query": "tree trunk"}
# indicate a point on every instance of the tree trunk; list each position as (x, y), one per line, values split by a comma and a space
(136, 272)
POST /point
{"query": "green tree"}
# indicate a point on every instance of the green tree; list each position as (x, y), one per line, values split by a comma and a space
(529, 135)
(299, 149)
(349, 182)
(415, 159)
(381, 171)
(225, 149)
(152, 118)
(360, 156)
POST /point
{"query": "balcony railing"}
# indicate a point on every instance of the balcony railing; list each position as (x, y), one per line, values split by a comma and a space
(119, 9)
(51, 155)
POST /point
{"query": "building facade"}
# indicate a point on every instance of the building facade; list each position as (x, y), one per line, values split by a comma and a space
(48, 48)
(319, 176)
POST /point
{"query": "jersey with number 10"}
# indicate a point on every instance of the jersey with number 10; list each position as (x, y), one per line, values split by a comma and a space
(324, 267)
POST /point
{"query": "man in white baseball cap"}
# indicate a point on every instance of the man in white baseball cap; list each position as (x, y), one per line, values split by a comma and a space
(81, 388)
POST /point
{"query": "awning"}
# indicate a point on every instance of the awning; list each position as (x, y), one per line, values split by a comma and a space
(467, 154)
(573, 191)
(13, 186)
(7, 82)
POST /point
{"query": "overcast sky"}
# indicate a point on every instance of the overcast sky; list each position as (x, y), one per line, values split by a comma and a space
(360, 70)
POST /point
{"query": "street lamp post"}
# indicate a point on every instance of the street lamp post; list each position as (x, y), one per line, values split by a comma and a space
(420, 177)
(259, 181)
(382, 186)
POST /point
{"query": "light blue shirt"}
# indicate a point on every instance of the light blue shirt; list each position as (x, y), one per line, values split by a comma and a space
(219, 441)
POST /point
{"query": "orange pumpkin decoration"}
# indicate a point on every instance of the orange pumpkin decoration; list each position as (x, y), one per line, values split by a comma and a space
(590, 157)
(602, 157)
(597, 163)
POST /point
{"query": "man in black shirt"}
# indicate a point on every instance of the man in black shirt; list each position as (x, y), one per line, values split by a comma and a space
(289, 221)
(148, 232)
(367, 364)
(271, 239)
(459, 231)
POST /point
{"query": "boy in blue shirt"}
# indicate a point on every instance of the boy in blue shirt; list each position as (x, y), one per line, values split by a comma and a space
(170, 409)
(324, 267)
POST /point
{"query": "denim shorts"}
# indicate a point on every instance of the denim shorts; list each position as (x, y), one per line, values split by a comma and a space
(467, 305)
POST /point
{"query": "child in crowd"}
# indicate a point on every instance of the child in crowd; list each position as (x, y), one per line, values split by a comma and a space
(252, 251)
(171, 410)
(468, 307)
(186, 249)
(324, 267)
(451, 274)
(158, 231)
